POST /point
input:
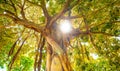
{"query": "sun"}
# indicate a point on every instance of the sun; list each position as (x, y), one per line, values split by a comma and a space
(65, 26)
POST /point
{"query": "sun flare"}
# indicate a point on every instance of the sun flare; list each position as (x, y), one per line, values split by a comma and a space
(65, 26)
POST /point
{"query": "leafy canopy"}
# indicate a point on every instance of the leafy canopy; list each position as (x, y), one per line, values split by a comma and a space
(22, 22)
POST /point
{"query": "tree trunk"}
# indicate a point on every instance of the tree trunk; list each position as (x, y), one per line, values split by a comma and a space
(56, 63)
(49, 58)
(57, 58)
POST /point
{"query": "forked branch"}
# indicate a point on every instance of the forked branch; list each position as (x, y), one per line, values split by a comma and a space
(60, 13)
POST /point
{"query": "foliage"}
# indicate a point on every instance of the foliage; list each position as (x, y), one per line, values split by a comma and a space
(97, 23)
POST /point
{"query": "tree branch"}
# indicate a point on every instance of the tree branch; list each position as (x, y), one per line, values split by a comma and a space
(98, 10)
(13, 5)
(89, 26)
(92, 41)
(9, 13)
(30, 25)
(16, 54)
(5, 26)
(43, 6)
(25, 23)
(60, 13)
(8, 16)
(71, 17)
(13, 46)
(22, 10)
(41, 45)
(103, 33)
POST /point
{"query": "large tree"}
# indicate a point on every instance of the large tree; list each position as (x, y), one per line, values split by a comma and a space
(29, 29)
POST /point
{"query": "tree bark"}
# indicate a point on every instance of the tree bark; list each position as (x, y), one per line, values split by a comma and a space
(56, 63)
(57, 58)
(49, 58)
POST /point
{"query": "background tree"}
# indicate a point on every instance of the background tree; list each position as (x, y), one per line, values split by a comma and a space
(30, 35)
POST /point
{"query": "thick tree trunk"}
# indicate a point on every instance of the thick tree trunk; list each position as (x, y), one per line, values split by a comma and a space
(49, 58)
(56, 63)
(57, 58)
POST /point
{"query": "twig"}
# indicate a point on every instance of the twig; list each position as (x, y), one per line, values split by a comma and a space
(71, 17)
(22, 10)
(103, 33)
(92, 41)
(13, 5)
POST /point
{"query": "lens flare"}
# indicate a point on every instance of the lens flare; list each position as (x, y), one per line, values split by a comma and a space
(65, 26)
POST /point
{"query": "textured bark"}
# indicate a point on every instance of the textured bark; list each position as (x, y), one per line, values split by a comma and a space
(49, 58)
(56, 63)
